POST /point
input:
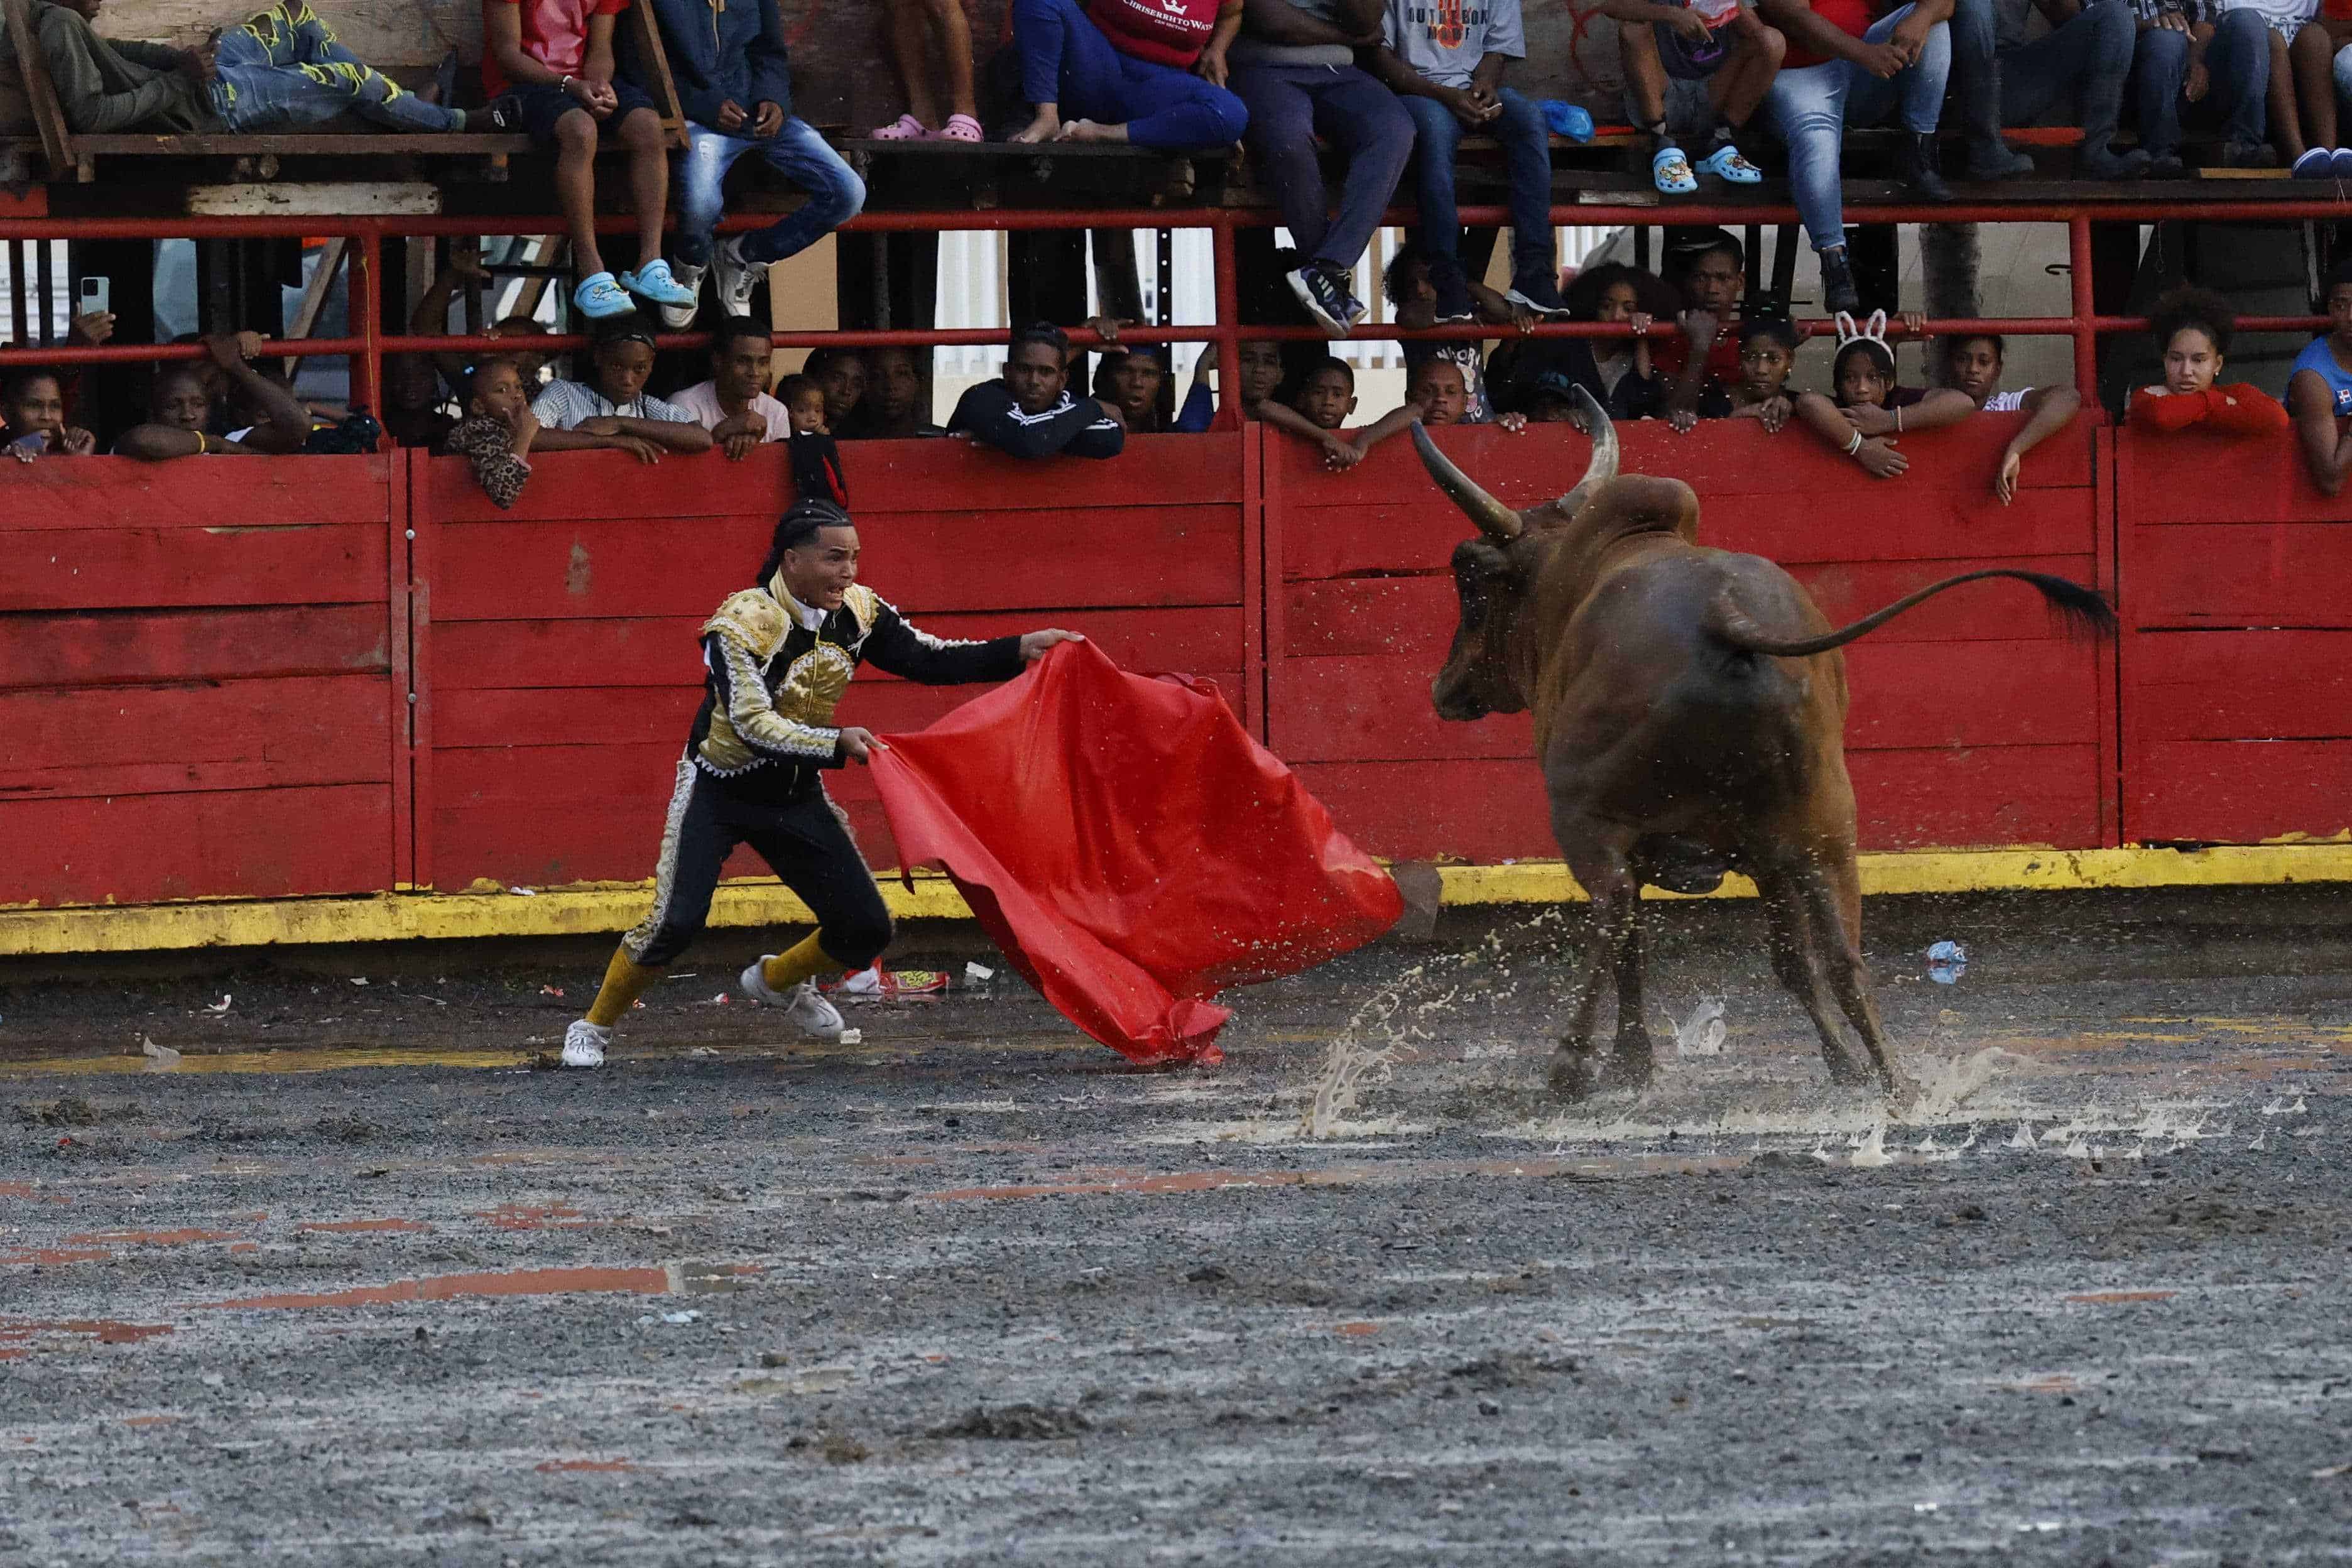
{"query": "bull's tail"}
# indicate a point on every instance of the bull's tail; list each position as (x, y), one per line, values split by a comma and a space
(2083, 612)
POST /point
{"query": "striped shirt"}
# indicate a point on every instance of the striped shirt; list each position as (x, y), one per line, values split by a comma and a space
(568, 405)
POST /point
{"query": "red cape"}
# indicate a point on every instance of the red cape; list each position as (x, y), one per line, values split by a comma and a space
(1129, 847)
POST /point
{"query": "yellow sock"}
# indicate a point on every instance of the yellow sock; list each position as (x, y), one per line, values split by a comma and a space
(804, 961)
(625, 981)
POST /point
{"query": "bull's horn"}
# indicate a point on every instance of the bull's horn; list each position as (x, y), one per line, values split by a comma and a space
(1603, 467)
(1491, 516)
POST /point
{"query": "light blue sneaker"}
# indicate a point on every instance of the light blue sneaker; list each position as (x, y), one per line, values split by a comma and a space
(600, 298)
(652, 281)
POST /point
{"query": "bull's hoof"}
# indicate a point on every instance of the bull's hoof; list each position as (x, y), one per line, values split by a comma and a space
(1574, 1076)
(1629, 1069)
(1900, 1089)
(1845, 1071)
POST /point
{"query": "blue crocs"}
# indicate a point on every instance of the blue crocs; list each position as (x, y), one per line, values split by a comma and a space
(600, 298)
(1671, 172)
(1726, 164)
(652, 281)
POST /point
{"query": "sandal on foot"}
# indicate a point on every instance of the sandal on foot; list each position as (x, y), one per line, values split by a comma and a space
(1671, 172)
(906, 128)
(958, 128)
(1727, 164)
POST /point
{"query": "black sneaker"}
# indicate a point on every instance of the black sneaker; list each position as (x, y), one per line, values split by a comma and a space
(2249, 156)
(502, 115)
(1539, 294)
(1326, 298)
(1838, 291)
(2106, 163)
(1923, 168)
(2167, 167)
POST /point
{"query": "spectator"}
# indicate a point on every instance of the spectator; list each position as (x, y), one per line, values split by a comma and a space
(1617, 371)
(431, 319)
(1326, 396)
(897, 405)
(2319, 392)
(1709, 269)
(803, 400)
(2083, 59)
(1030, 412)
(1718, 42)
(734, 405)
(1446, 65)
(33, 418)
(2301, 97)
(278, 70)
(1254, 383)
(413, 414)
(1293, 68)
(1132, 381)
(555, 58)
(2192, 328)
(1438, 396)
(180, 409)
(911, 25)
(612, 410)
(1869, 414)
(1127, 72)
(1411, 284)
(497, 433)
(1549, 399)
(1768, 355)
(1844, 68)
(2215, 63)
(735, 83)
(841, 372)
(1972, 364)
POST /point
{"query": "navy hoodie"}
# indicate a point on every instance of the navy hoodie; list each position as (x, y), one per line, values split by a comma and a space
(721, 49)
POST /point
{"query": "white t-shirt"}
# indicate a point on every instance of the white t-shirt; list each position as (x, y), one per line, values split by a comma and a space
(702, 402)
(2007, 402)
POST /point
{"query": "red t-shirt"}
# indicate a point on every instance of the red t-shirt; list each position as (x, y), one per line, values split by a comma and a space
(1853, 16)
(1668, 356)
(1165, 32)
(554, 33)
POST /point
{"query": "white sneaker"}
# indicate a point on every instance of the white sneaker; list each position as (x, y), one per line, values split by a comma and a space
(814, 1014)
(738, 280)
(584, 1043)
(678, 318)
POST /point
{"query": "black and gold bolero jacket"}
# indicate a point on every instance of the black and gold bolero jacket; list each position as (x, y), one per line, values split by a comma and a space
(778, 668)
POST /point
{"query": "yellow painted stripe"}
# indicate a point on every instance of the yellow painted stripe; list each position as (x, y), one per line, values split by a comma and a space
(610, 909)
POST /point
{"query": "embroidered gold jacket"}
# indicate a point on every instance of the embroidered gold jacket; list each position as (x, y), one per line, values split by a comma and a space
(778, 668)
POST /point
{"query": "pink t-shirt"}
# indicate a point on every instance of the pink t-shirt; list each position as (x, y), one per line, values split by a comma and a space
(554, 33)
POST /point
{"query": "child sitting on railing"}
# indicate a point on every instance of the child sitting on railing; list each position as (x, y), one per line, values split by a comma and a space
(2193, 328)
(1870, 413)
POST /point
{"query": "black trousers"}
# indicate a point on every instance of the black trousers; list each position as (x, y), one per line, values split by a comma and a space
(803, 840)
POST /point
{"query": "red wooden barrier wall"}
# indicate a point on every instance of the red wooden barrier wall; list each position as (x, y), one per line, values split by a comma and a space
(1974, 721)
(2237, 654)
(561, 635)
(201, 678)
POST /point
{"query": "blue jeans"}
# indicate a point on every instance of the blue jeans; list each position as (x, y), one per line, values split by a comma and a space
(835, 193)
(2088, 59)
(284, 68)
(1289, 106)
(1809, 108)
(1526, 153)
(2237, 63)
(1066, 60)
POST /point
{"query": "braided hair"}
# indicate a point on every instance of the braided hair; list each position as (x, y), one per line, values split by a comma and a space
(799, 525)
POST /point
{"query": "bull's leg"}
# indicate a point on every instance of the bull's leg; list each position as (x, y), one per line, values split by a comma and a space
(1632, 1063)
(1839, 951)
(1597, 855)
(1793, 959)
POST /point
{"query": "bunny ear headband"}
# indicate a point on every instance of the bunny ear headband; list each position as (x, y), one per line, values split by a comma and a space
(1871, 333)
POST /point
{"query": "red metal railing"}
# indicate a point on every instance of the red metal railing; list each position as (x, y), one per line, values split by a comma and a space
(366, 235)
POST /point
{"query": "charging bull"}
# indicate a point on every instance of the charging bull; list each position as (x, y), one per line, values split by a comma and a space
(1690, 720)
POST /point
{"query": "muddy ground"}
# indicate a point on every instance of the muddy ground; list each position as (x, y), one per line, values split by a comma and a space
(351, 1284)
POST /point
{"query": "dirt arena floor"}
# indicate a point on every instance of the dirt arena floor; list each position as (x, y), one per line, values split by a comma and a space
(349, 1283)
